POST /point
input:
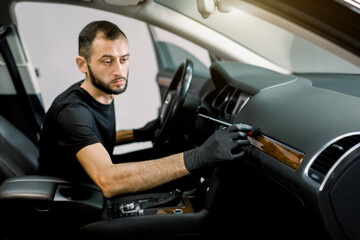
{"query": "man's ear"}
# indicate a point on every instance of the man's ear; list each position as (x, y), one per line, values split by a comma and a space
(81, 64)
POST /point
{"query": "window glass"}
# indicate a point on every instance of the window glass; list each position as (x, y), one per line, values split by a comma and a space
(268, 40)
(201, 54)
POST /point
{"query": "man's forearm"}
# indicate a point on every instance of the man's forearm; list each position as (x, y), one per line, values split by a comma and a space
(114, 179)
(140, 176)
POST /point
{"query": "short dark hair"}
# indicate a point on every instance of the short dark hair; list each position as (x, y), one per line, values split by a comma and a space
(87, 35)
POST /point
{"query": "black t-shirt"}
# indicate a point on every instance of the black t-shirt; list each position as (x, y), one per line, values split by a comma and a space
(74, 121)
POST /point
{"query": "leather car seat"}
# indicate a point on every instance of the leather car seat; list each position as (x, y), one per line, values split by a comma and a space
(18, 154)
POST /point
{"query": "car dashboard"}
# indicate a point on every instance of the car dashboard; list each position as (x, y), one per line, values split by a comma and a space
(307, 138)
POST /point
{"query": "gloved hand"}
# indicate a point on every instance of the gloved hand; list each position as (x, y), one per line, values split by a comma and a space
(147, 132)
(224, 145)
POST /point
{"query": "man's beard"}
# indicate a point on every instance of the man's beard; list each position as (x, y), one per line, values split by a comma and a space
(105, 87)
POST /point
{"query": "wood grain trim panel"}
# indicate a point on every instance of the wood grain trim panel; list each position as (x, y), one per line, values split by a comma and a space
(279, 151)
(164, 81)
(185, 207)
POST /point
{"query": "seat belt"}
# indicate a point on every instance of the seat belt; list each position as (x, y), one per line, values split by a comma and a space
(19, 86)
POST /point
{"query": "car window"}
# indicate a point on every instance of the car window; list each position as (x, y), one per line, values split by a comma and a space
(178, 48)
(170, 53)
(268, 40)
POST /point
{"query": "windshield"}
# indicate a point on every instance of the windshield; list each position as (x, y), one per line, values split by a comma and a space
(268, 40)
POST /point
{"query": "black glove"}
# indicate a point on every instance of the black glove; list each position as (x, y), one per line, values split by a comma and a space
(224, 145)
(147, 132)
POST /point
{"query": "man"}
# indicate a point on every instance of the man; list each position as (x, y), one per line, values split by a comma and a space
(78, 135)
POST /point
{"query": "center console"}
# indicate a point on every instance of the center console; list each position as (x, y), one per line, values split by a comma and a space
(36, 203)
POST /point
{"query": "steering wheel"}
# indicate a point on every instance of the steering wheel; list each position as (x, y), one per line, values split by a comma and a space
(173, 101)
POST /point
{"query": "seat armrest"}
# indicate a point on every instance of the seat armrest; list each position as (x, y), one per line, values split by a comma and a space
(35, 201)
(31, 190)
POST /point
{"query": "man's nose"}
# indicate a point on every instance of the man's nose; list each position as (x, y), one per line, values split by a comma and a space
(120, 70)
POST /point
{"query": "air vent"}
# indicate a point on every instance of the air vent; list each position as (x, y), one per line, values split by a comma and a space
(222, 98)
(231, 104)
(328, 157)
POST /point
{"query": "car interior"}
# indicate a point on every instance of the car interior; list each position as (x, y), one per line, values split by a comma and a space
(299, 178)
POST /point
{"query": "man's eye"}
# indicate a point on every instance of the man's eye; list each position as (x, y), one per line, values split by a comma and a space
(107, 62)
(124, 60)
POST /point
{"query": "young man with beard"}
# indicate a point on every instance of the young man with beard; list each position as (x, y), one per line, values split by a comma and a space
(79, 135)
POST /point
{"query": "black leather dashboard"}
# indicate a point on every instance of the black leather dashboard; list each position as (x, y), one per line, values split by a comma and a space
(310, 120)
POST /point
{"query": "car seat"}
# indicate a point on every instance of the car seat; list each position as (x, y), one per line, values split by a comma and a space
(18, 154)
